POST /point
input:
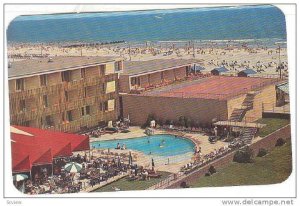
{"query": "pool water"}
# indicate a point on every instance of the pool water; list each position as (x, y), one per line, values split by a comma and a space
(157, 145)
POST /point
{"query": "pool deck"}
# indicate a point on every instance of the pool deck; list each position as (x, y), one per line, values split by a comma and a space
(200, 140)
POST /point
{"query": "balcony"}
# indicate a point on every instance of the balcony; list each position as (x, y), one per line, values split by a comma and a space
(52, 89)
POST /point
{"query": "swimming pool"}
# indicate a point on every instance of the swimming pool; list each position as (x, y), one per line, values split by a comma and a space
(157, 145)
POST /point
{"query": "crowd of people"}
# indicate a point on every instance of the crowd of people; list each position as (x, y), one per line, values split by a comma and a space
(93, 172)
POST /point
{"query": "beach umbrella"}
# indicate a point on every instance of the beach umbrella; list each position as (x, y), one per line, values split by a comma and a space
(20, 177)
(102, 171)
(73, 167)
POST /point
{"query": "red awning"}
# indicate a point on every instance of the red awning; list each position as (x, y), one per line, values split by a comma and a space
(41, 146)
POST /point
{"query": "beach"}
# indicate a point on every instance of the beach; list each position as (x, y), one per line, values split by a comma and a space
(262, 59)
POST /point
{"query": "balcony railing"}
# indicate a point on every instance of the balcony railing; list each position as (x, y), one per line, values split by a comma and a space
(50, 89)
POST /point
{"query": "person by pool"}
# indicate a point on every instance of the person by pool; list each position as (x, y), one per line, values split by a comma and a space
(123, 147)
(118, 146)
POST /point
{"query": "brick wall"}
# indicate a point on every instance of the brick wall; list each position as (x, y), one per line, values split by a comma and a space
(267, 142)
(32, 82)
(180, 72)
(76, 74)
(54, 78)
(124, 83)
(92, 72)
(155, 78)
(144, 80)
(169, 75)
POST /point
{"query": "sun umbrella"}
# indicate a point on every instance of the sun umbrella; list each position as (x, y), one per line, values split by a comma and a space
(73, 167)
(102, 171)
(20, 177)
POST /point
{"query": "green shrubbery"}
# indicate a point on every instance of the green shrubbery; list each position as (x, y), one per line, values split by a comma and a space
(244, 155)
(212, 170)
(262, 152)
(280, 142)
(184, 185)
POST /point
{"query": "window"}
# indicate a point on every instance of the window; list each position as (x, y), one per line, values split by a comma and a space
(102, 70)
(22, 105)
(88, 110)
(103, 88)
(83, 73)
(106, 106)
(49, 121)
(69, 116)
(20, 84)
(43, 80)
(118, 66)
(45, 101)
(82, 111)
(85, 92)
(66, 96)
(135, 81)
(66, 76)
(103, 106)
(85, 110)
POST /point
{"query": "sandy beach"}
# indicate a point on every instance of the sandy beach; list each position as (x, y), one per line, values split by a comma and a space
(236, 58)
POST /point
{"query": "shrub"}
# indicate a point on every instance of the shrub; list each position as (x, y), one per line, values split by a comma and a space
(244, 155)
(212, 170)
(207, 174)
(280, 142)
(184, 185)
(262, 152)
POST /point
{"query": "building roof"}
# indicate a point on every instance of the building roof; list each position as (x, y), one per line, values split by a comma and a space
(221, 69)
(248, 71)
(214, 87)
(32, 67)
(143, 67)
(284, 87)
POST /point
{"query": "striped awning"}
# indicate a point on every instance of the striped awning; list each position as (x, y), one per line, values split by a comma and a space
(284, 87)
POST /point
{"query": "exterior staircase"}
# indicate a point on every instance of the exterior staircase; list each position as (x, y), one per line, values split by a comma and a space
(248, 101)
(237, 115)
(247, 135)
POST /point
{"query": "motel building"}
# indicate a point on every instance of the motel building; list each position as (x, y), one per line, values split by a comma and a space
(203, 101)
(65, 94)
(143, 75)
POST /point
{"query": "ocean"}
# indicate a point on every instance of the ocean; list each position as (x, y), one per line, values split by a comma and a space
(265, 23)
